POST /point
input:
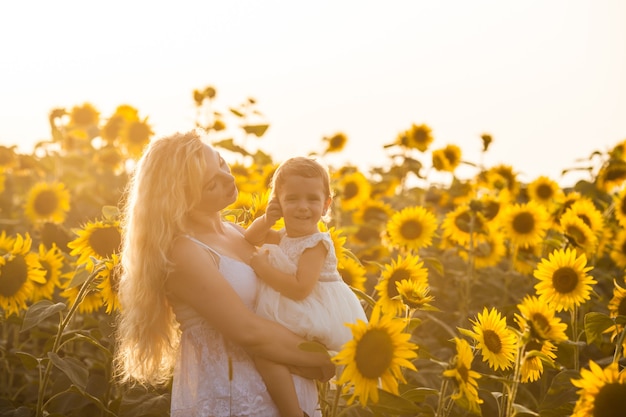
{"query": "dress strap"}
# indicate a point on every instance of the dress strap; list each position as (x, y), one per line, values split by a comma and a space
(214, 254)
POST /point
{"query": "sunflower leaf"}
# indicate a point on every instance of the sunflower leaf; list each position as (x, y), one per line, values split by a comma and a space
(75, 370)
(256, 130)
(40, 311)
(29, 361)
(595, 325)
(390, 403)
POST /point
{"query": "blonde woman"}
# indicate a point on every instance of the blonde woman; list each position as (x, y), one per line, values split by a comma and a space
(188, 293)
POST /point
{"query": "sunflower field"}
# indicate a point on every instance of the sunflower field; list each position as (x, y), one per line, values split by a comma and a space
(484, 295)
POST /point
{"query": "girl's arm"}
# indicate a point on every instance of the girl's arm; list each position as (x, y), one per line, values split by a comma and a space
(297, 286)
(197, 282)
(260, 231)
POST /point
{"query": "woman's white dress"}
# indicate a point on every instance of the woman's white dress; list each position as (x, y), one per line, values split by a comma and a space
(322, 315)
(202, 386)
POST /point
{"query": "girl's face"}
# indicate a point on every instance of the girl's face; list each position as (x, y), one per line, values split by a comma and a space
(303, 202)
(218, 185)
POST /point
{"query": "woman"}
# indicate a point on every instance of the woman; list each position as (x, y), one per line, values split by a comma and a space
(188, 293)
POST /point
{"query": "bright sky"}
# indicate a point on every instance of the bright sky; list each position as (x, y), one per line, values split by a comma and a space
(546, 78)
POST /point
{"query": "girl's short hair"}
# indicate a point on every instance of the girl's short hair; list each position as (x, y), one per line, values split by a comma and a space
(303, 167)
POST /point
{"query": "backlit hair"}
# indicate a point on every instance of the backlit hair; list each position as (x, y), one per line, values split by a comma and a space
(303, 167)
(165, 185)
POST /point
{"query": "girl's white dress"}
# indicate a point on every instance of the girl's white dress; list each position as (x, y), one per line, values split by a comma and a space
(322, 315)
(201, 386)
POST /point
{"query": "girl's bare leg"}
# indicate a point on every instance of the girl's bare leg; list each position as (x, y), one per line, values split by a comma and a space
(279, 382)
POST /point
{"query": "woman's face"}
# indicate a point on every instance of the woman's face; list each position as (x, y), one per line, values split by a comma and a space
(218, 185)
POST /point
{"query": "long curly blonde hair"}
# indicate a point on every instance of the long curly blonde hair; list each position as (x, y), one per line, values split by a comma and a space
(166, 183)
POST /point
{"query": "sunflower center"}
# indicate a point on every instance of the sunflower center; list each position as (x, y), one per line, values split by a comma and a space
(14, 274)
(577, 234)
(491, 210)
(411, 230)
(623, 248)
(524, 223)
(492, 341)
(463, 373)
(610, 401)
(374, 215)
(105, 241)
(565, 280)
(46, 265)
(397, 276)
(366, 233)
(539, 325)
(623, 206)
(350, 190)
(464, 222)
(544, 192)
(46, 202)
(374, 353)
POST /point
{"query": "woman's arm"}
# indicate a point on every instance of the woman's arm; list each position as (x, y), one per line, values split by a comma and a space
(297, 286)
(197, 282)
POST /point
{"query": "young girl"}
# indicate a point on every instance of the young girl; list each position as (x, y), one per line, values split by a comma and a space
(303, 289)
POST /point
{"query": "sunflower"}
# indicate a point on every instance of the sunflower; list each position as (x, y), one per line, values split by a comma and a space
(489, 250)
(446, 159)
(563, 280)
(411, 228)
(99, 239)
(463, 223)
(352, 273)
(532, 364)
(371, 256)
(47, 202)
(526, 259)
(539, 321)
(619, 201)
(52, 262)
(19, 272)
(6, 243)
(135, 135)
(525, 224)
(84, 117)
(8, 157)
(497, 343)
(501, 178)
(617, 307)
(376, 354)
(601, 392)
(404, 268)
(353, 190)
(546, 191)
(108, 284)
(588, 213)
(618, 251)
(462, 374)
(414, 294)
(417, 137)
(373, 213)
(335, 143)
(339, 241)
(578, 233)
(612, 175)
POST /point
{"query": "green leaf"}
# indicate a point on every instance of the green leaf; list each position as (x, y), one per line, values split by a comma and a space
(311, 346)
(75, 370)
(40, 311)
(29, 361)
(390, 403)
(418, 395)
(229, 144)
(80, 276)
(595, 325)
(561, 391)
(256, 130)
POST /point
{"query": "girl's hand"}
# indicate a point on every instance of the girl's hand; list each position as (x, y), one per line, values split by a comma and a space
(273, 212)
(260, 260)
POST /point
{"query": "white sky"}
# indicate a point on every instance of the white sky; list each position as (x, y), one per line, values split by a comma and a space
(546, 78)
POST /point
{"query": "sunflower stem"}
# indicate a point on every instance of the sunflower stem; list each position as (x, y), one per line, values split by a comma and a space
(45, 377)
(512, 391)
(442, 398)
(574, 320)
(618, 345)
